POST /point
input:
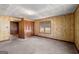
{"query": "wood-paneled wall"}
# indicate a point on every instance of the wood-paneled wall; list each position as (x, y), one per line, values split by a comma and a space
(77, 27)
(28, 25)
(21, 29)
(23, 26)
(4, 28)
(62, 27)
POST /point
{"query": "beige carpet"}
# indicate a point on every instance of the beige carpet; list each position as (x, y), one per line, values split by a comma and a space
(37, 45)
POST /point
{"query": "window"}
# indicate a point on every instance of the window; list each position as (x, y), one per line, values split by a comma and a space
(45, 27)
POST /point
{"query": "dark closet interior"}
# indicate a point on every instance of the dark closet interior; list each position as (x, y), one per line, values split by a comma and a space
(14, 28)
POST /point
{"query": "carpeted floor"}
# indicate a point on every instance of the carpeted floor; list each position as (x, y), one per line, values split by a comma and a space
(37, 45)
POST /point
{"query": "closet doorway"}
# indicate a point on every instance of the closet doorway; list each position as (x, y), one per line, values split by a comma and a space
(14, 28)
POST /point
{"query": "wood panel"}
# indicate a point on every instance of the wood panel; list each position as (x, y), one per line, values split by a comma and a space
(61, 27)
(4, 28)
(25, 28)
(21, 29)
(28, 28)
(77, 27)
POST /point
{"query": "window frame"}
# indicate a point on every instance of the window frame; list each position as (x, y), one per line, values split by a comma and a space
(44, 27)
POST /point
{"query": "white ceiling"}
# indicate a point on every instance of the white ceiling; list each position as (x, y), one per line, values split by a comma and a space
(36, 11)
